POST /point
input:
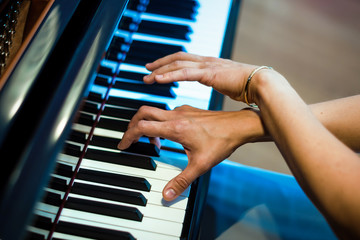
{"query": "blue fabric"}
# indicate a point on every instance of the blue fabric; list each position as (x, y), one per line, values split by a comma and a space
(243, 198)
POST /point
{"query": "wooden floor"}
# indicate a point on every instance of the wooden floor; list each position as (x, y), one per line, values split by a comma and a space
(315, 44)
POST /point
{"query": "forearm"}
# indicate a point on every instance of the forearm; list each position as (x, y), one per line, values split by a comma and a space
(340, 117)
(325, 168)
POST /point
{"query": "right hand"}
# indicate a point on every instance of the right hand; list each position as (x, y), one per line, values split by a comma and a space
(225, 76)
(208, 137)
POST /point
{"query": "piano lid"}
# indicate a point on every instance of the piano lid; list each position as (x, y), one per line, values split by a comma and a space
(71, 40)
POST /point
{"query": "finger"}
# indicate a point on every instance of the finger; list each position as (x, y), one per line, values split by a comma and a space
(151, 114)
(172, 66)
(178, 185)
(188, 108)
(171, 58)
(185, 74)
(150, 129)
(147, 116)
(155, 141)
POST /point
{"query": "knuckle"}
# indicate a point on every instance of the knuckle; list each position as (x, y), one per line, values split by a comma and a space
(181, 129)
(185, 106)
(177, 63)
(209, 76)
(180, 54)
(141, 125)
(143, 109)
(210, 59)
(181, 182)
(182, 107)
(186, 73)
(180, 125)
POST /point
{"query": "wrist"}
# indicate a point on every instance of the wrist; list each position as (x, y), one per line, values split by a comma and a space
(263, 83)
(247, 95)
(253, 129)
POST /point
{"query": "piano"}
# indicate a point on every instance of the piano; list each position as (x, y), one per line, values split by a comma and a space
(68, 89)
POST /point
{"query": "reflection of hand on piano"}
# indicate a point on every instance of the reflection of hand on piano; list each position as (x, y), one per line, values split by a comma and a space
(208, 137)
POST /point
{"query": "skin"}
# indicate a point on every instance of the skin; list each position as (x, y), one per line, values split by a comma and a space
(316, 141)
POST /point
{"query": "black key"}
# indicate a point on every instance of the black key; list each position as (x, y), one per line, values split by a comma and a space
(155, 89)
(106, 209)
(64, 170)
(120, 45)
(102, 192)
(115, 55)
(184, 4)
(101, 81)
(136, 183)
(144, 148)
(76, 136)
(122, 159)
(135, 76)
(42, 222)
(113, 194)
(95, 97)
(52, 199)
(117, 42)
(134, 103)
(118, 48)
(138, 147)
(106, 142)
(165, 29)
(72, 150)
(181, 9)
(34, 236)
(113, 124)
(118, 112)
(92, 232)
(131, 75)
(58, 184)
(105, 71)
(86, 119)
(90, 107)
(129, 24)
(142, 52)
(152, 47)
(119, 180)
(137, 5)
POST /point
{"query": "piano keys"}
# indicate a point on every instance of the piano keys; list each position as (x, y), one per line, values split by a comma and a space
(97, 191)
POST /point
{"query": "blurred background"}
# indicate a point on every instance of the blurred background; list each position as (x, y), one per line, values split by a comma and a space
(315, 44)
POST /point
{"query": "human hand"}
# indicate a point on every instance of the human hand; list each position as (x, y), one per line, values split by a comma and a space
(208, 137)
(226, 76)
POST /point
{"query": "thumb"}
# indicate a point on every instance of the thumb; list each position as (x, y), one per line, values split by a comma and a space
(179, 184)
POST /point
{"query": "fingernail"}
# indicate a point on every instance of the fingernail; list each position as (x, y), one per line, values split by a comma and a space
(170, 193)
(159, 77)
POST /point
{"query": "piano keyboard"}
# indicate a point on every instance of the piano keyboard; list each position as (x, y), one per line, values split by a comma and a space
(100, 192)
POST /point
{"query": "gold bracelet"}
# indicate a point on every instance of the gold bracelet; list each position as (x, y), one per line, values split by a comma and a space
(248, 83)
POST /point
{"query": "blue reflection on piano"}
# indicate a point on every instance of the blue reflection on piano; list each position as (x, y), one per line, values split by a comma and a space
(250, 203)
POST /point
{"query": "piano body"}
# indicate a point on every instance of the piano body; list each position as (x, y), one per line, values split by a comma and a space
(68, 88)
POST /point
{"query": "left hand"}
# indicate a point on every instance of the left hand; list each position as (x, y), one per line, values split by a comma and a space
(208, 137)
(226, 76)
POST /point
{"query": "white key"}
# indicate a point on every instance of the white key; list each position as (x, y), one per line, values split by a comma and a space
(153, 197)
(157, 179)
(138, 234)
(150, 210)
(147, 224)
(160, 173)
